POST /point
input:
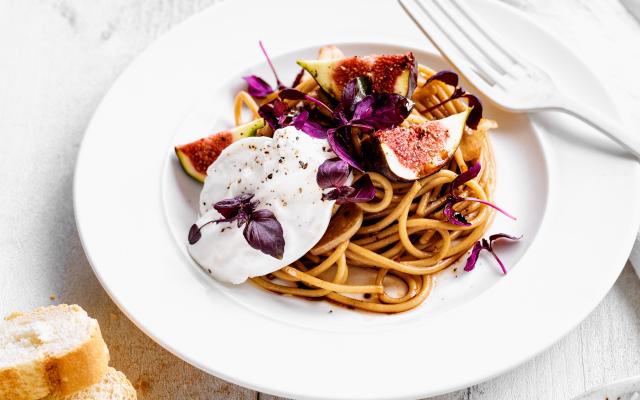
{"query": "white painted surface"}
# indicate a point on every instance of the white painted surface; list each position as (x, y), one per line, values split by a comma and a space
(59, 58)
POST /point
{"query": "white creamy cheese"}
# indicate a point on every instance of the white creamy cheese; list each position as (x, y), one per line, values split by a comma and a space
(281, 173)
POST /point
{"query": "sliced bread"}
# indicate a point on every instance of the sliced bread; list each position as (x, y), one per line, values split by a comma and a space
(113, 386)
(55, 349)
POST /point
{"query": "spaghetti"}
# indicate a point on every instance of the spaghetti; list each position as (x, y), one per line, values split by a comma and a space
(400, 237)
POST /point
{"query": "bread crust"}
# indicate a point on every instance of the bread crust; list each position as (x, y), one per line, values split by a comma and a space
(64, 374)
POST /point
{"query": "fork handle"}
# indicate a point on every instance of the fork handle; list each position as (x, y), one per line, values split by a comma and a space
(605, 124)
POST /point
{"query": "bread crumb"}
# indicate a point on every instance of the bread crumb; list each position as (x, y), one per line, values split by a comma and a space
(53, 296)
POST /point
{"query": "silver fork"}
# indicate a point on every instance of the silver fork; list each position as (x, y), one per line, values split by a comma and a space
(502, 75)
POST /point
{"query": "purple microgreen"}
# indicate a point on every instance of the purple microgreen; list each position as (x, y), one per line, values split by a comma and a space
(487, 245)
(332, 173)
(294, 94)
(257, 87)
(455, 217)
(447, 77)
(464, 177)
(280, 85)
(473, 257)
(491, 205)
(361, 191)
(298, 78)
(475, 115)
(263, 232)
(335, 142)
(452, 215)
(451, 78)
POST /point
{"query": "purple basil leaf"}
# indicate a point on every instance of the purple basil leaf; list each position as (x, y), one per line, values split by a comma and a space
(464, 177)
(293, 94)
(339, 193)
(354, 91)
(229, 208)
(447, 77)
(280, 85)
(452, 215)
(332, 173)
(473, 257)
(300, 119)
(341, 151)
(314, 129)
(298, 78)
(263, 232)
(274, 112)
(257, 87)
(361, 192)
(364, 190)
(382, 110)
(194, 234)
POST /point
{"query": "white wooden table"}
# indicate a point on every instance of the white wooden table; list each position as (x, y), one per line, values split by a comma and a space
(59, 57)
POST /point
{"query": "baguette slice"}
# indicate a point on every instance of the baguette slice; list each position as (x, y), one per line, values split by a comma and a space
(113, 386)
(56, 349)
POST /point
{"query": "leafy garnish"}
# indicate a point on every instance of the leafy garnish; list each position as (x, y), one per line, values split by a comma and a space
(451, 78)
(338, 140)
(275, 74)
(455, 217)
(332, 173)
(487, 245)
(257, 87)
(278, 115)
(361, 191)
(262, 230)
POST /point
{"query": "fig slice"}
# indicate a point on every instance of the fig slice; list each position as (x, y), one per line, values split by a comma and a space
(395, 73)
(344, 224)
(416, 151)
(195, 157)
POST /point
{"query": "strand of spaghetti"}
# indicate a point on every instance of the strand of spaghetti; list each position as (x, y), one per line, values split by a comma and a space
(381, 181)
(377, 260)
(425, 290)
(462, 165)
(339, 278)
(406, 242)
(312, 280)
(405, 202)
(409, 280)
(244, 98)
(329, 261)
(380, 244)
(394, 252)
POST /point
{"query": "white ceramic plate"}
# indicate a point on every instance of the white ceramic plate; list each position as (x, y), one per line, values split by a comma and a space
(134, 207)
